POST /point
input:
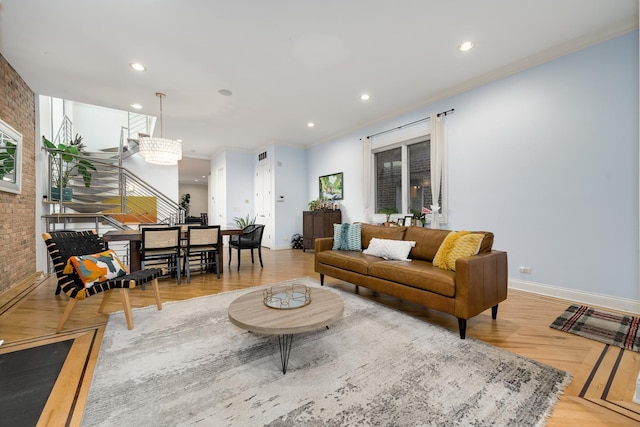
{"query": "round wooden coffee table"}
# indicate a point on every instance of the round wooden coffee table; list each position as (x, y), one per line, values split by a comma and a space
(250, 313)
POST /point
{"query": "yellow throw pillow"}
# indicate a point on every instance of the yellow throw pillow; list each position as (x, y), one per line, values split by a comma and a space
(457, 244)
(466, 245)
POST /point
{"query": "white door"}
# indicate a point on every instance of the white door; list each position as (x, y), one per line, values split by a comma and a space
(264, 202)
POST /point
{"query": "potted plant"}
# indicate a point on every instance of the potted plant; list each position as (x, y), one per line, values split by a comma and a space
(241, 223)
(69, 165)
(388, 212)
(185, 200)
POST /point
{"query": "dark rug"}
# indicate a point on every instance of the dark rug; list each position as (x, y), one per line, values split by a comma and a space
(26, 380)
(609, 328)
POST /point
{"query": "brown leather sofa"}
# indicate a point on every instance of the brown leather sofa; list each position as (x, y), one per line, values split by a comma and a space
(478, 283)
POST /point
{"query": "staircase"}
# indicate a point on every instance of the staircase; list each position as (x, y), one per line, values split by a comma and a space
(116, 197)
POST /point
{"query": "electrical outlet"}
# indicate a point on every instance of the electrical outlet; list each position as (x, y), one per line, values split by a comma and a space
(526, 270)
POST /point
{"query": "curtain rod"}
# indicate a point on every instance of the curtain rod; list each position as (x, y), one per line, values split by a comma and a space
(444, 113)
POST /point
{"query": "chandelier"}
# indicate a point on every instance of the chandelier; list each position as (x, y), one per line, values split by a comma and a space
(160, 151)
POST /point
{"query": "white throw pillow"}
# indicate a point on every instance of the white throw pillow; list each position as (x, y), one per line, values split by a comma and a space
(390, 249)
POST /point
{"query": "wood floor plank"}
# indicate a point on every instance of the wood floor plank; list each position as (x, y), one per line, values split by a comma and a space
(522, 327)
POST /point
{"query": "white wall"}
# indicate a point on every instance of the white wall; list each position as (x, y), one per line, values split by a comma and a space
(199, 196)
(162, 178)
(99, 126)
(240, 173)
(547, 159)
(290, 193)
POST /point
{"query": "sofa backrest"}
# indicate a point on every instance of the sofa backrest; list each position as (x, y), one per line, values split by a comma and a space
(368, 231)
(428, 240)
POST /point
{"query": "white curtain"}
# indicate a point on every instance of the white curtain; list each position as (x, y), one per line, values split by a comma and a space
(367, 193)
(438, 153)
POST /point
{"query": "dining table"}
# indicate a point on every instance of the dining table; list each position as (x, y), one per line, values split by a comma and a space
(134, 237)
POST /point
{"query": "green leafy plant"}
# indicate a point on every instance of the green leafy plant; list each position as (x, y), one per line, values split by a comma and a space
(388, 212)
(243, 222)
(72, 164)
(419, 216)
(314, 204)
(7, 158)
(185, 200)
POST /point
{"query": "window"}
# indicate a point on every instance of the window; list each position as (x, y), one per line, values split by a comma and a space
(403, 177)
(10, 159)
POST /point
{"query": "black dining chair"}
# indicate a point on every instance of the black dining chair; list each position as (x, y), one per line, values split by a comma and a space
(251, 238)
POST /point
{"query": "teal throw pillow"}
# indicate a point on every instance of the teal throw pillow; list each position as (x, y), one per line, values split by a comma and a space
(346, 237)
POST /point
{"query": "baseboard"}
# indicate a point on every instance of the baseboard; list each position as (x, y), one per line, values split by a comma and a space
(581, 297)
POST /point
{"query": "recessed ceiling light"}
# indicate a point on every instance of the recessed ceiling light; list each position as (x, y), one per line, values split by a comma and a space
(136, 106)
(311, 124)
(137, 66)
(364, 97)
(225, 92)
(465, 46)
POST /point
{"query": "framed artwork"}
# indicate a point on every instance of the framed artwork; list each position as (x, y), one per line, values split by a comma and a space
(10, 159)
(408, 220)
(331, 187)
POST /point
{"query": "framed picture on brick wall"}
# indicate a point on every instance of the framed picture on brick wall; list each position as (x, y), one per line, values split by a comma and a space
(10, 159)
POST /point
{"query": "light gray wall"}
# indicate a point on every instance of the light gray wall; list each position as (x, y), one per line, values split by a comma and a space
(547, 159)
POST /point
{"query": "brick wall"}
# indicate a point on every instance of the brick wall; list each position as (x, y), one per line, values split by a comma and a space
(17, 211)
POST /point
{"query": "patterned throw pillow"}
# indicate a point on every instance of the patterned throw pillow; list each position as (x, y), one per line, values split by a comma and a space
(95, 268)
(456, 245)
(390, 249)
(346, 237)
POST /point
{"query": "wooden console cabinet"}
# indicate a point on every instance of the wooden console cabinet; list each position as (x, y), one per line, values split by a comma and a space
(318, 224)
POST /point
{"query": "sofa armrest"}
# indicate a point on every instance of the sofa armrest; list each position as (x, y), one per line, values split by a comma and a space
(319, 245)
(481, 283)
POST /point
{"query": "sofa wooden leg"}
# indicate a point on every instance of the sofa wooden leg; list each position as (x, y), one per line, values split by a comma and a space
(494, 312)
(322, 280)
(462, 325)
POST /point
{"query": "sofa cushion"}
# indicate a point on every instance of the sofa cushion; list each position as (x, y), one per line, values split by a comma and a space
(346, 237)
(357, 262)
(417, 274)
(390, 249)
(428, 240)
(370, 231)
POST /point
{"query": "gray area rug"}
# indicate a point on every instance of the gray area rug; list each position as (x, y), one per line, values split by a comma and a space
(188, 365)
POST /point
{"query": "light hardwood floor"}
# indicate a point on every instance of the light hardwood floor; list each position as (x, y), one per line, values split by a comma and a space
(603, 377)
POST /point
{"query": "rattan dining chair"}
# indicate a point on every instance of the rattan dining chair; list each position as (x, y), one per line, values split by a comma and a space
(161, 246)
(63, 245)
(202, 249)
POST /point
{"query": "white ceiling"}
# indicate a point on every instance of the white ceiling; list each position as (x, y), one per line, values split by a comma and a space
(287, 62)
